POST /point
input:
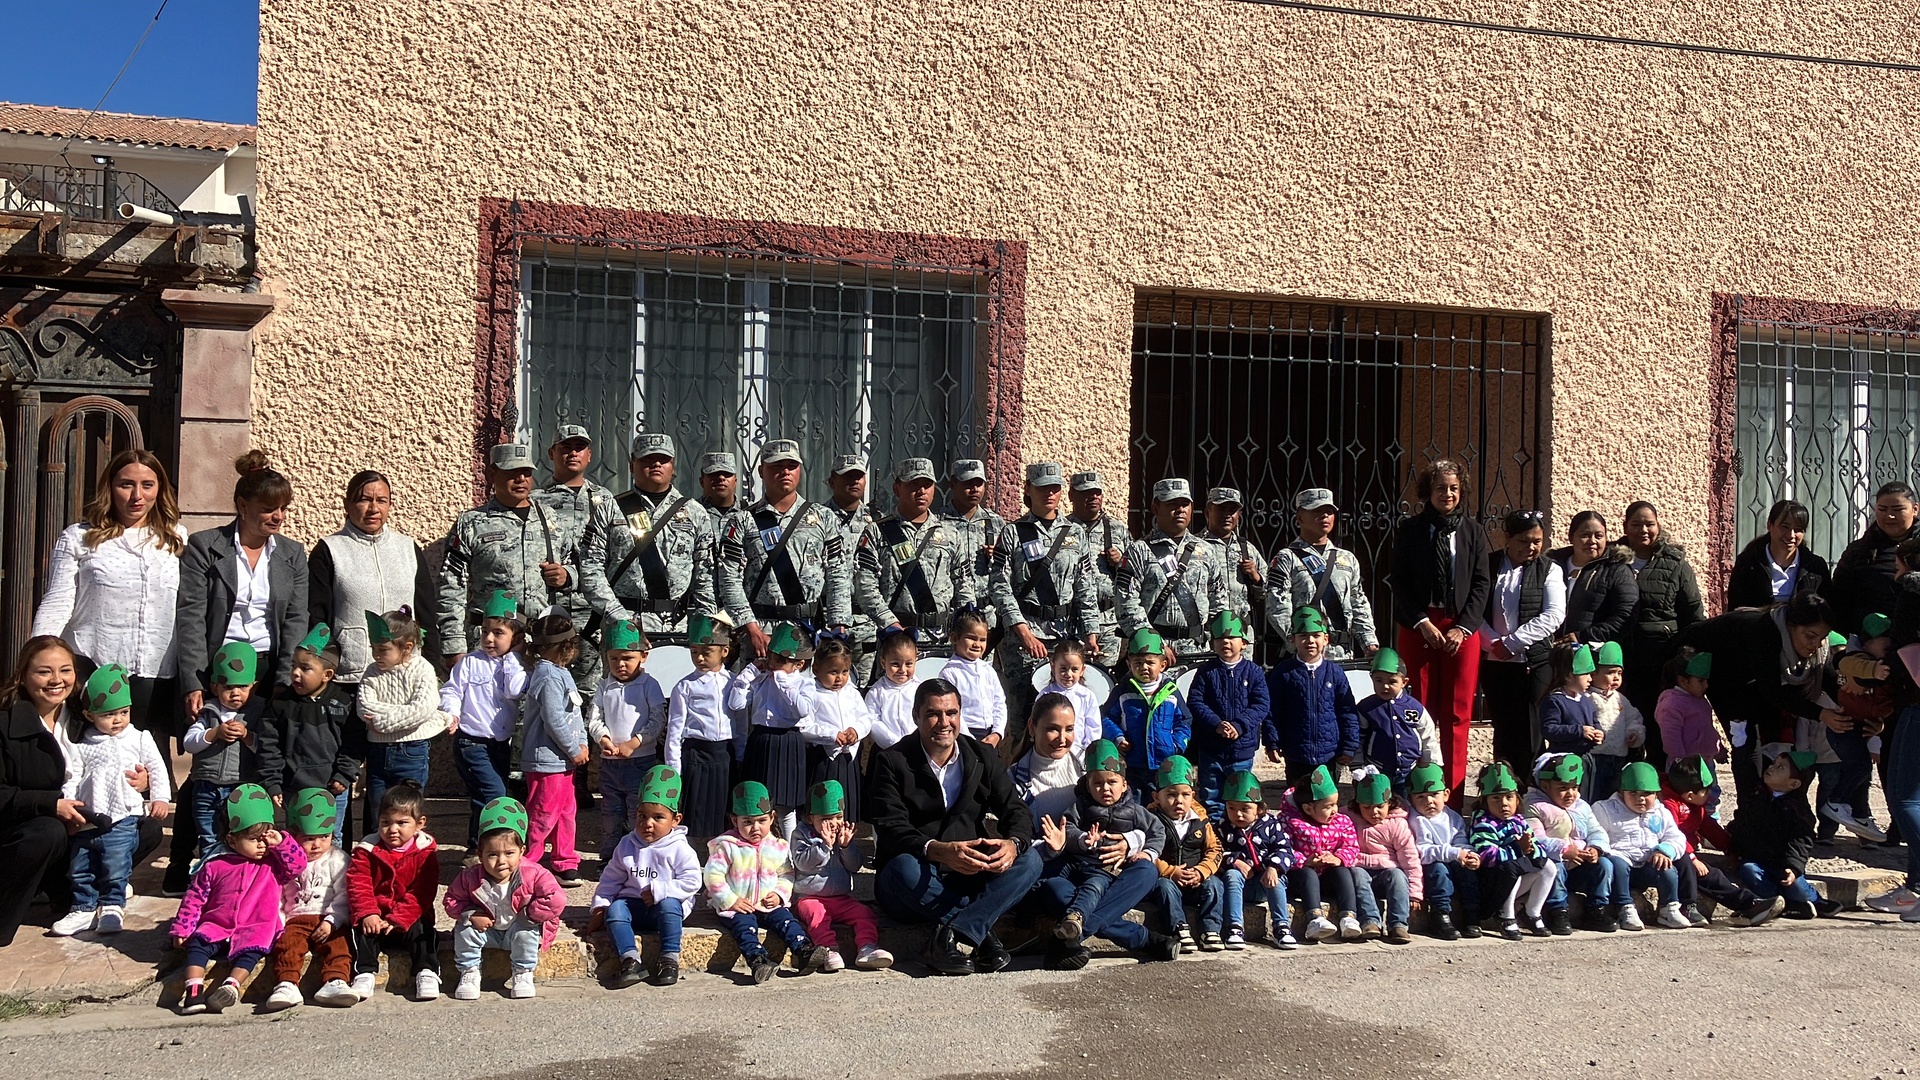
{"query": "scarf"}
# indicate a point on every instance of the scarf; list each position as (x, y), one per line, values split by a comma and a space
(1795, 670)
(1443, 526)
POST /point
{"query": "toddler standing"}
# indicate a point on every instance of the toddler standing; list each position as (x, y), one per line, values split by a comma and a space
(232, 909)
(314, 908)
(776, 693)
(1314, 720)
(1622, 728)
(553, 744)
(749, 885)
(1684, 715)
(310, 737)
(629, 718)
(221, 737)
(1147, 718)
(400, 701)
(1229, 702)
(100, 753)
(503, 902)
(483, 691)
(1396, 733)
(983, 698)
(836, 726)
(1069, 666)
(698, 744)
(825, 857)
(650, 882)
(1567, 721)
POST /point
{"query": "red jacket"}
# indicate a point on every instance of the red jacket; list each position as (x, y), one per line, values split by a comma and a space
(399, 886)
(1694, 821)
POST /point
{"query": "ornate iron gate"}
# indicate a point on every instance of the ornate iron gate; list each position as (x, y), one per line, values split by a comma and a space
(1272, 396)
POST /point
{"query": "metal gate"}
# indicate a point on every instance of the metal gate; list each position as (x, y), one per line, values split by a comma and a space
(1272, 396)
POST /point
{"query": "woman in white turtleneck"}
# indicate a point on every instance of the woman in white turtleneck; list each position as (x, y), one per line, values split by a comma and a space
(1046, 774)
(368, 567)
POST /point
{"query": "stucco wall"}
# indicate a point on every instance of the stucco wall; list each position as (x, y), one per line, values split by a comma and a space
(1199, 144)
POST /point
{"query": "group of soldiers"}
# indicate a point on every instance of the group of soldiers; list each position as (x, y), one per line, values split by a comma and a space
(657, 554)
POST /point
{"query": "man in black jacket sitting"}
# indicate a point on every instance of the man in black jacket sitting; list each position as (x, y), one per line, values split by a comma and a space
(955, 842)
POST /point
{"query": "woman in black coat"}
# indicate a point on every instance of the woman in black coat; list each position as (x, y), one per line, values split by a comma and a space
(1777, 565)
(1601, 593)
(1863, 582)
(1669, 602)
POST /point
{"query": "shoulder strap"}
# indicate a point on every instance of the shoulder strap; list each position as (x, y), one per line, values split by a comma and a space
(778, 561)
(1029, 531)
(1173, 579)
(911, 575)
(645, 543)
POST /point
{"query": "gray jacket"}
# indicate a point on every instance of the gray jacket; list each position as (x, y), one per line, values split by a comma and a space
(1125, 816)
(818, 870)
(1291, 586)
(226, 764)
(553, 731)
(209, 580)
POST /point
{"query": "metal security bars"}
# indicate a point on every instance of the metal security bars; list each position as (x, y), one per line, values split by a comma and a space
(82, 194)
(724, 349)
(1826, 414)
(1272, 396)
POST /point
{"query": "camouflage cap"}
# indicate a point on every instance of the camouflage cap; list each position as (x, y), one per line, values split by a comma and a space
(247, 806)
(1372, 789)
(1172, 489)
(849, 463)
(504, 813)
(236, 664)
(718, 461)
(1175, 770)
(1146, 640)
(109, 690)
(1317, 785)
(780, 450)
(1309, 620)
(1314, 499)
(827, 797)
(511, 457)
(1387, 662)
(1426, 778)
(1609, 655)
(1564, 768)
(571, 431)
(907, 470)
(652, 444)
(1045, 474)
(964, 469)
(1103, 755)
(661, 786)
(1226, 624)
(313, 812)
(1223, 496)
(625, 636)
(1498, 779)
(1639, 777)
(1088, 481)
(1243, 786)
(750, 799)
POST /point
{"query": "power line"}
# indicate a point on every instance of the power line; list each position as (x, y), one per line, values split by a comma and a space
(77, 132)
(1577, 35)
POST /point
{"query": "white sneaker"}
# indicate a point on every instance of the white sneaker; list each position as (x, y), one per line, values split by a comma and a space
(1319, 928)
(1350, 928)
(1842, 815)
(73, 922)
(469, 988)
(285, 996)
(521, 986)
(1673, 918)
(223, 997)
(1898, 902)
(338, 995)
(834, 961)
(1630, 917)
(112, 919)
(363, 985)
(873, 958)
(426, 986)
(127, 897)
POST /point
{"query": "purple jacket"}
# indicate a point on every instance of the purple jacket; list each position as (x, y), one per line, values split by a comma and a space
(237, 900)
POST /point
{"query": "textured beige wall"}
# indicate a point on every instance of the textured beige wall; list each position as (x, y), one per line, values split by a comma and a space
(1193, 144)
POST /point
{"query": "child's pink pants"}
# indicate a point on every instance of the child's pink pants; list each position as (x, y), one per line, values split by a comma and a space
(550, 813)
(819, 913)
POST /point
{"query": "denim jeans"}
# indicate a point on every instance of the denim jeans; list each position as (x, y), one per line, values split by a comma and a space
(1365, 903)
(1108, 919)
(1603, 882)
(387, 765)
(1234, 897)
(778, 921)
(1447, 882)
(520, 939)
(628, 917)
(1665, 883)
(914, 890)
(1854, 780)
(1206, 896)
(619, 798)
(483, 765)
(1602, 776)
(1339, 884)
(1213, 779)
(1901, 757)
(1089, 882)
(1390, 884)
(207, 800)
(102, 863)
(1766, 885)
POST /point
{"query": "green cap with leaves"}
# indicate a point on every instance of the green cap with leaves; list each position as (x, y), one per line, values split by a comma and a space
(1387, 662)
(1691, 773)
(1309, 620)
(378, 630)
(313, 812)
(1243, 786)
(827, 797)
(1875, 625)
(1497, 779)
(788, 641)
(1564, 768)
(1700, 665)
(249, 805)
(1582, 660)
(1104, 756)
(750, 799)
(661, 787)
(1372, 789)
(1146, 640)
(1174, 770)
(1319, 785)
(1639, 776)
(1426, 779)
(317, 639)
(1609, 654)
(504, 813)
(236, 664)
(703, 630)
(501, 605)
(109, 690)
(1225, 624)
(625, 636)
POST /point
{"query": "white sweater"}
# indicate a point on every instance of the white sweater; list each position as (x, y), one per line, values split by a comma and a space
(484, 692)
(402, 704)
(320, 889)
(1636, 836)
(1086, 714)
(97, 773)
(623, 710)
(983, 701)
(115, 603)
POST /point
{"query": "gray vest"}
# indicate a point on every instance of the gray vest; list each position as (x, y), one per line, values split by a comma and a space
(370, 573)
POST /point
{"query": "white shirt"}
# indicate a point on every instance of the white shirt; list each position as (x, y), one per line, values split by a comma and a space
(114, 604)
(834, 711)
(1086, 714)
(1782, 578)
(696, 710)
(890, 705)
(1504, 621)
(950, 775)
(97, 773)
(251, 597)
(983, 701)
(623, 710)
(497, 896)
(484, 692)
(770, 699)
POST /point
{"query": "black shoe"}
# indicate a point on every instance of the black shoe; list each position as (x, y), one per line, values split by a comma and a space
(1537, 926)
(1443, 927)
(808, 958)
(1066, 956)
(990, 956)
(1469, 927)
(194, 1001)
(570, 879)
(173, 885)
(631, 973)
(668, 974)
(1827, 909)
(1161, 946)
(763, 968)
(1510, 929)
(1695, 917)
(943, 955)
(1599, 920)
(1559, 922)
(1798, 909)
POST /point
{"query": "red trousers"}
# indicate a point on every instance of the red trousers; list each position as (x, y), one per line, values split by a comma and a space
(819, 913)
(550, 816)
(1445, 685)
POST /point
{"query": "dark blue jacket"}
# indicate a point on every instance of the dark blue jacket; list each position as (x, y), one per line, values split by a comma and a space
(1237, 695)
(1314, 719)
(1561, 719)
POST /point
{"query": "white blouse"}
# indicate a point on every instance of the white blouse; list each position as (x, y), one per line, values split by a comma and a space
(114, 604)
(695, 710)
(834, 711)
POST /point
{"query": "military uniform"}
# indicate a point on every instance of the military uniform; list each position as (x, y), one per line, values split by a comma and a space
(853, 525)
(1172, 585)
(1242, 595)
(1043, 577)
(721, 518)
(591, 513)
(912, 574)
(974, 535)
(812, 579)
(1104, 533)
(1327, 578)
(660, 554)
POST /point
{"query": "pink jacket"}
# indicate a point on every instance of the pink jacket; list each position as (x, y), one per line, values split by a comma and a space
(736, 869)
(237, 900)
(539, 897)
(1390, 844)
(1686, 725)
(1310, 838)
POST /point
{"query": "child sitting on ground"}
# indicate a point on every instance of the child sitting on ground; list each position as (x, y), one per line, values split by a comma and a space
(1685, 796)
(890, 698)
(698, 744)
(1147, 718)
(750, 885)
(1772, 837)
(553, 743)
(310, 737)
(1325, 850)
(1101, 815)
(1396, 733)
(484, 691)
(1622, 728)
(1641, 831)
(1255, 852)
(504, 902)
(393, 877)
(1512, 867)
(102, 751)
(1449, 867)
(1189, 859)
(232, 909)
(1565, 828)
(983, 699)
(1229, 702)
(629, 717)
(825, 858)
(1314, 720)
(314, 908)
(649, 883)
(1069, 666)
(221, 738)
(1388, 855)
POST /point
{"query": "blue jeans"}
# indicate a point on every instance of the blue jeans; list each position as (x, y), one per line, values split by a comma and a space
(1213, 779)
(1365, 903)
(619, 798)
(1107, 919)
(1901, 754)
(915, 890)
(1665, 883)
(1604, 882)
(102, 863)
(1390, 883)
(387, 765)
(483, 765)
(778, 921)
(1206, 896)
(1234, 897)
(628, 917)
(1853, 781)
(520, 939)
(1089, 882)
(1602, 777)
(1766, 885)
(207, 800)
(1446, 882)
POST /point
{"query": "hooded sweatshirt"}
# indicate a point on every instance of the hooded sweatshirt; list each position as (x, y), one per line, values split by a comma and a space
(668, 866)
(1390, 845)
(236, 900)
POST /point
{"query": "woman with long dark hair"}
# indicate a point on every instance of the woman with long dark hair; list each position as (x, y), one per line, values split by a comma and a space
(1601, 593)
(1441, 583)
(1777, 565)
(1669, 602)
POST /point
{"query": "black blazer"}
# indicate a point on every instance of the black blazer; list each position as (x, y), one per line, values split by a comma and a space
(1601, 595)
(32, 768)
(209, 579)
(906, 809)
(1413, 541)
(1746, 685)
(1751, 583)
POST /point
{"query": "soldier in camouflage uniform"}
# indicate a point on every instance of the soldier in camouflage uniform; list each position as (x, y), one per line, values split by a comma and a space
(786, 561)
(849, 510)
(1111, 540)
(1311, 571)
(660, 555)
(975, 530)
(1171, 580)
(586, 509)
(1044, 586)
(907, 570)
(720, 495)
(1237, 555)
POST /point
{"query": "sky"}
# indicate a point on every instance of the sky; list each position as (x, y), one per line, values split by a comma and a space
(201, 61)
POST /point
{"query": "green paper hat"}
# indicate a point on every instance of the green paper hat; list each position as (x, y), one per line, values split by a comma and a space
(1426, 778)
(108, 690)
(1836, 639)
(1387, 662)
(661, 787)
(1243, 786)
(1320, 784)
(317, 639)
(1497, 779)
(702, 630)
(1104, 756)
(1309, 620)
(1700, 665)
(1565, 768)
(1145, 640)
(1372, 789)
(1639, 776)
(249, 805)
(1609, 654)
(1802, 759)
(502, 605)
(827, 797)
(789, 642)
(1174, 770)
(313, 812)
(236, 664)
(1690, 773)
(750, 800)
(1582, 660)
(1225, 624)
(504, 813)
(378, 632)
(1875, 625)
(625, 637)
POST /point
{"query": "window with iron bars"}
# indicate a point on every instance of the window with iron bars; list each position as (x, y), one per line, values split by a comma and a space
(724, 350)
(1274, 396)
(1826, 416)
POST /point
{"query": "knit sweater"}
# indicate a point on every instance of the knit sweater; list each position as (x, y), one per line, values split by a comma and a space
(1310, 838)
(1389, 844)
(1619, 721)
(737, 870)
(535, 895)
(983, 698)
(237, 900)
(97, 769)
(667, 867)
(320, 889)
(1686, 725)
(402, 704)
(1047, 785)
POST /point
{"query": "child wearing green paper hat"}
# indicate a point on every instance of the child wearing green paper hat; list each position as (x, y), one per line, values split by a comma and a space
(1147, 717)
(699, 740)
(649, 883)
(776, 694)
(1190, 858)
(1228, 697)
(1685, 716)
(232, 909)
(318, 917)
(1388, 855)
(1565, 828)
(399, 698)
(1622, 728)
(553, 743)
(1513, 869)
(825, 859)
(1396, 733)
(627, 724)
(1644, 833)
(1315, 720)
(1773, 835)
(100, 755)
(483, 692)
(505, 901)
(749, 882)
(1684, 794)
(1325, 850)
(1449, 867)
(1257, 853)
(1866, 699)
(221, 737)
(1567, 721)
(310, 736)
(1100, 815)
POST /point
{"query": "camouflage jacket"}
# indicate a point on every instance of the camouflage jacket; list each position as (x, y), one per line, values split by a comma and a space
(1190, 566)
(494, 547)
(1043, 573)
(816, 562)
(900, 567)
(674, 574)
(973, 536)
